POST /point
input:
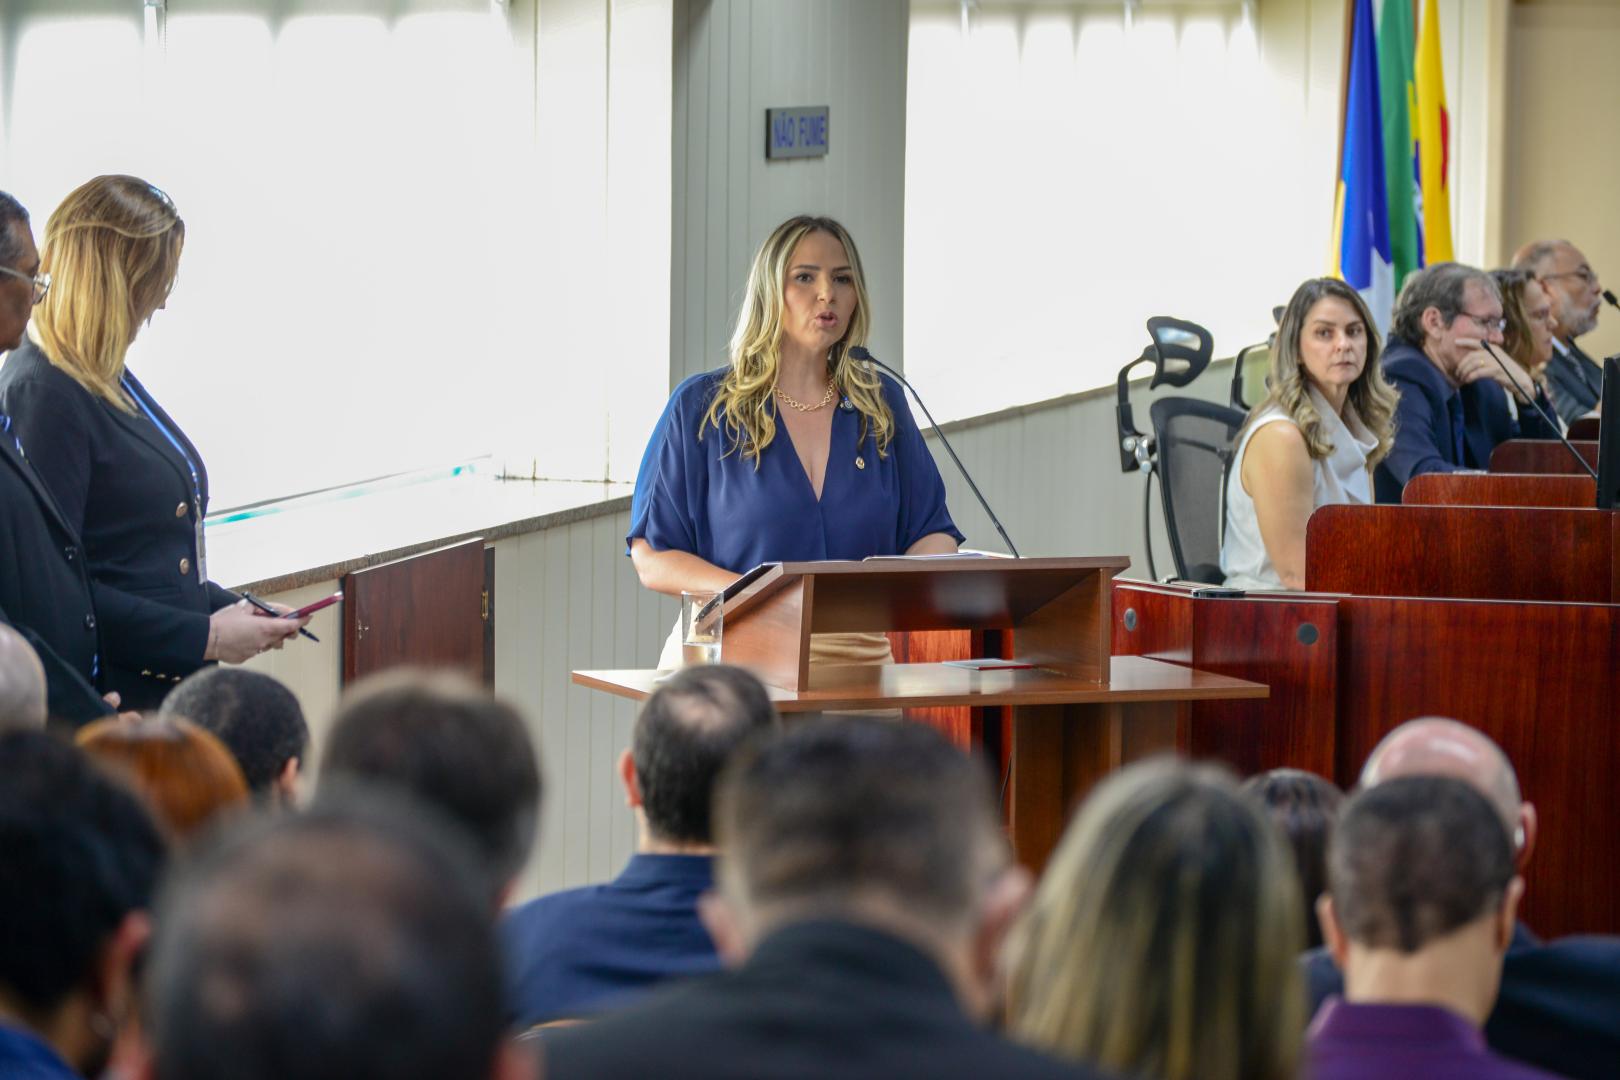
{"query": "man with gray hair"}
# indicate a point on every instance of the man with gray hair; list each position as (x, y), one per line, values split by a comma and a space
(1460, 394)
(22, 683)
(1420, 905)
(1559, 999)
(1574, 379)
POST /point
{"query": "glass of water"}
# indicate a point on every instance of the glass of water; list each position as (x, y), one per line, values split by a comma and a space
(701, 624)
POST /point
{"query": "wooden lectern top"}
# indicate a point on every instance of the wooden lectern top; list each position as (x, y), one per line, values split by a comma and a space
(1058, 608)
(892, 686)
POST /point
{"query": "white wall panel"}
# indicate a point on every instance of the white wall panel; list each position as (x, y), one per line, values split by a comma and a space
(733, 60)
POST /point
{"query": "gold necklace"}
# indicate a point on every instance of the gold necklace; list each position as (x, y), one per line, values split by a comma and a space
(826, 399)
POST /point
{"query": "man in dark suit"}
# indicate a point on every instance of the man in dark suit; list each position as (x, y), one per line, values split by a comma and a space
(1574, 378)
(1558, 1000)
(44, 590)
(1459, 389)
(583, 950)
(864, 891)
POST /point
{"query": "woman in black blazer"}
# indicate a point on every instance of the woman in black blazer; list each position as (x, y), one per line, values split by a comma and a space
(126, 476)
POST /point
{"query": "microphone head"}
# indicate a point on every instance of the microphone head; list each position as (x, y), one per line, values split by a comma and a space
(1608, 294)
(859, 352)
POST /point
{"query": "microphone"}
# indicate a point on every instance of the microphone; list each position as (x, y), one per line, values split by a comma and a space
(1608, 294)
(859, 353)
(1531, 397)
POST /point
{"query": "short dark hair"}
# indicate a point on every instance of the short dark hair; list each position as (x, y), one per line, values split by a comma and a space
(687, 730)
(835, 810)
(257, 718)
(450, 743)
(12, 215)
(1304, 806)
(78, 853)
(1414, 858)
(1439, 286)
(352, 941)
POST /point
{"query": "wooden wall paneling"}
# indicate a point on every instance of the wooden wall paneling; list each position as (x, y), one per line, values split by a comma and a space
(425, 611)
(1540, 680)
(1541, 456)
(1291, 645)
(1287, 642)
(1501, 489)
(1490, 553)
(1152, 621)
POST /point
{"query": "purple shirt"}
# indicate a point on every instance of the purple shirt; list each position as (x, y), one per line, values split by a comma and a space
(1388, 1042)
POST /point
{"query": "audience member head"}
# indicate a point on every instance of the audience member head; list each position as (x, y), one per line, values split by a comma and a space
(22, 682)
(1164, 936)
(186, 776)
(1304, 806)
(1422, 895)
(256, 717)
(113, 252)
(1436, 746)
(1528, 311)
(19, 263)
(1572, 284)
(803, 256)
(351, 942)
(79, 861)
(1444, 308)
(872, 822)
(687, 730)
(449, 743)
(1327, 340)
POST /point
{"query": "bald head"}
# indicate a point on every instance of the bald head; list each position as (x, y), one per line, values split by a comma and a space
(22, 683)
(1435, 746)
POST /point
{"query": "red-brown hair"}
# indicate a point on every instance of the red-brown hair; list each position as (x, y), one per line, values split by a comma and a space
(185, 774)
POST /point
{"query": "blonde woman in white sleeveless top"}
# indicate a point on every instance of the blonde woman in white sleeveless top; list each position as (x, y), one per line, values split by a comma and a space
(1314, 440)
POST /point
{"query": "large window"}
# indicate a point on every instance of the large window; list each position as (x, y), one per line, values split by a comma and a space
(358, 181)
(1071, 172)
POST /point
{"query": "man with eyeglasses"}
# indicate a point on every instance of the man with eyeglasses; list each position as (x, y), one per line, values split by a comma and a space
(1460, 393)
(44, 590)
(1573, 377)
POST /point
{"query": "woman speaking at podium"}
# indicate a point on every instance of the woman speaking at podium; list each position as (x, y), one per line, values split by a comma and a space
(793, 451)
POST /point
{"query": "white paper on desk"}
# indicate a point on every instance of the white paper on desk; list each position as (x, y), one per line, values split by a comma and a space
(987, 664)
(939, 555)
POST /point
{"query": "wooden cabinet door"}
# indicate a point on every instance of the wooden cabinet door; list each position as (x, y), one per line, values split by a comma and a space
(428, 610)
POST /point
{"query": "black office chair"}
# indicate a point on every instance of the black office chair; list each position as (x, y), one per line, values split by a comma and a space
(1195, 443)
(1189, 449)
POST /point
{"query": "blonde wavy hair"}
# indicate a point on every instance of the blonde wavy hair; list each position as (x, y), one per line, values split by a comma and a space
(1163, 939)
(113, 251)
(1371, 394)
(743, 404)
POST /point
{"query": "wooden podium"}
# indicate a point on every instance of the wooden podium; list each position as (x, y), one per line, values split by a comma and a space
(1077, 712)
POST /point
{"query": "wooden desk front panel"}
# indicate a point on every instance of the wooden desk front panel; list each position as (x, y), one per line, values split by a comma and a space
(1501, 489)
(1463, 552)
(1543, 681)
(1541, 456)
(1289, 643)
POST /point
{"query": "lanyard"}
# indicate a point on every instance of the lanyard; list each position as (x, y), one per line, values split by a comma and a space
(5, 426)
(196, 481)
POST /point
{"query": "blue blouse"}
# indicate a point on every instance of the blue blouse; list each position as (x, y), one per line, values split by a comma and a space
(692, 496)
